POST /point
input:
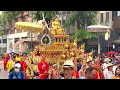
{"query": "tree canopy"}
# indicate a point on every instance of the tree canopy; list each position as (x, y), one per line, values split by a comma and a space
(9, 15)
(2, 25)
(48, 15)
(83, 19)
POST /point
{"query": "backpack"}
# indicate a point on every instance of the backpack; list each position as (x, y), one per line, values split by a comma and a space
(12, 69)
(16, 75)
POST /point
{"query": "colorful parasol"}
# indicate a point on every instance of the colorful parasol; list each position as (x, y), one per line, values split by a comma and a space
(28, 26)
(108, 53)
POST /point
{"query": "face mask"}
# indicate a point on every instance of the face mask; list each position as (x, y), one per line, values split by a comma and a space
(17, 69)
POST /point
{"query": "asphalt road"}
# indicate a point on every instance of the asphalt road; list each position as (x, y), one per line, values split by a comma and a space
(3, 74)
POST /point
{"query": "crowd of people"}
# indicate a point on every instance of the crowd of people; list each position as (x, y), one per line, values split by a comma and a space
(101, 67)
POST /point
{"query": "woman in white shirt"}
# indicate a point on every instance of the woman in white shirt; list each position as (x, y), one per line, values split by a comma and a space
(109, 73)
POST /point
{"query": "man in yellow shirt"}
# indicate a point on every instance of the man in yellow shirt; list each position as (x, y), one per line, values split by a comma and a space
(10, 65)
(18, 58)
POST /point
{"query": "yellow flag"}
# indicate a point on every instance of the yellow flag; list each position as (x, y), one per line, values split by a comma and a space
(107, 35)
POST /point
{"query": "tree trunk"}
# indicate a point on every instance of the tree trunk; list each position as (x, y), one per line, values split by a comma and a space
(86, 45)
(78, 23)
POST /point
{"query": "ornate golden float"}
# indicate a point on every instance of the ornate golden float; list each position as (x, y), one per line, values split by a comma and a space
(54, 43)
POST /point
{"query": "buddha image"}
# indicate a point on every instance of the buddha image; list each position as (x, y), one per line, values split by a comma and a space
(45, 40)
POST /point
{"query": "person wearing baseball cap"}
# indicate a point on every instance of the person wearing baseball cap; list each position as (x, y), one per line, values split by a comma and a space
(68, 68)
(17, 73)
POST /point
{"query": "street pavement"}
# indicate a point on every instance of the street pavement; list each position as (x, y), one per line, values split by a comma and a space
(3, 74)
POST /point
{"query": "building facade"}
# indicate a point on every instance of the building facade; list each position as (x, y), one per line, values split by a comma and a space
(105, 18)
(3, 43)
(13, 35)
(116, 28)
(62, 17)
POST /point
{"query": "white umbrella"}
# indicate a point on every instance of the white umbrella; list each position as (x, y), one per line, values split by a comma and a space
(98, 28)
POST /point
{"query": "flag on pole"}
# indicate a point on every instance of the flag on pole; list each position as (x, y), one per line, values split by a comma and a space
(107, 35)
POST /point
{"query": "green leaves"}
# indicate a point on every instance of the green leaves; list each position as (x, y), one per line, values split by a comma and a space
(2, 25)
(48, 15)
(71, 19)
(83, 34)
(81, 17)
(9, 15)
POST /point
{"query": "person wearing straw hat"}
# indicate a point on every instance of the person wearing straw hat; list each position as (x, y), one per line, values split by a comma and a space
(43, 68)
(116, 71)
(109, 73)
(68, 68)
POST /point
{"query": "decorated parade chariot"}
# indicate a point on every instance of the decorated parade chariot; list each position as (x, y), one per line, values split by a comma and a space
(52, 42)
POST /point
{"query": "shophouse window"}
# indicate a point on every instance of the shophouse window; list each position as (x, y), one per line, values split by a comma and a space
(101, 17)
(107, 16)
(4, 40)
(114, 13)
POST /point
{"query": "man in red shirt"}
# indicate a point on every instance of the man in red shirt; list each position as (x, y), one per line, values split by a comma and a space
(43, 68)
(23, 65)
(75, 73)
(99, 73)
(5, 60)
